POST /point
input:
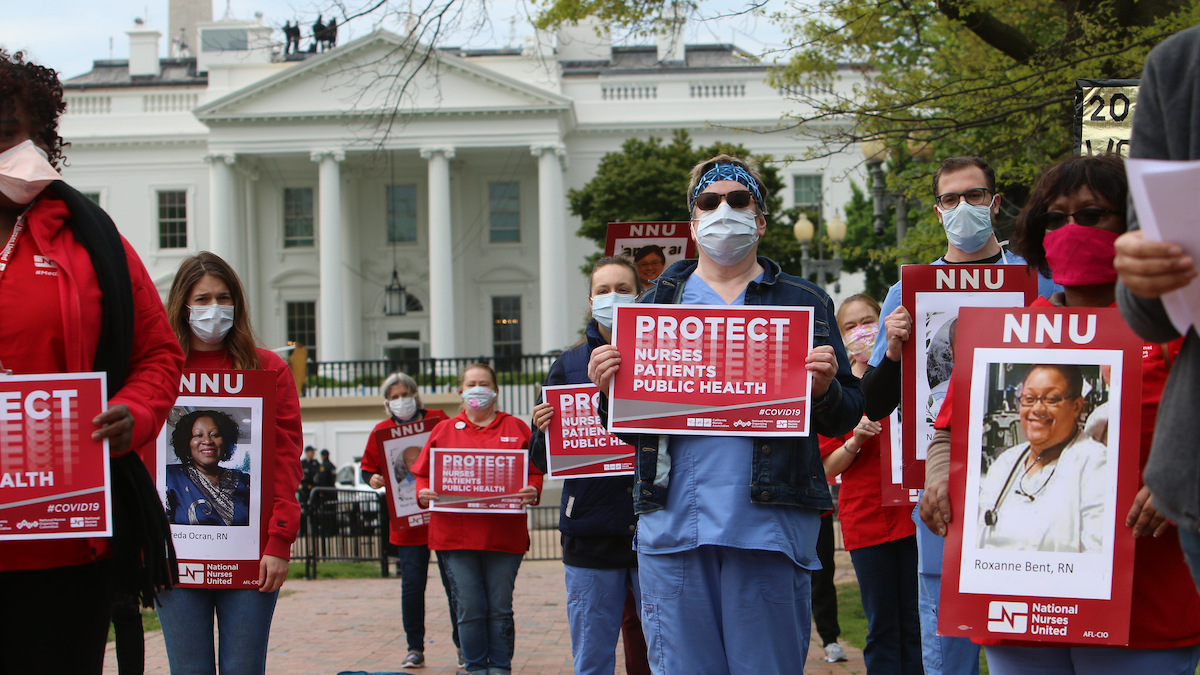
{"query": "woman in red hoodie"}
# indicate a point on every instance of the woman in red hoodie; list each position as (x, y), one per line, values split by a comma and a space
(208, 313)
(482, 552)
(75, 298)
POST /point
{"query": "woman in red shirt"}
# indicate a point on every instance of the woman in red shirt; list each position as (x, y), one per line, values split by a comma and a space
(881, 539)
(209, 315)
(75, 298)
(1069, 225)
(403, 405)
(482, 552)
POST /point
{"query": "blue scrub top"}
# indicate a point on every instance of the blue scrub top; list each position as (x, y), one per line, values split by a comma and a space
(709, 500)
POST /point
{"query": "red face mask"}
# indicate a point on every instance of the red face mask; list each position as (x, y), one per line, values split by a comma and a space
(1079, 255)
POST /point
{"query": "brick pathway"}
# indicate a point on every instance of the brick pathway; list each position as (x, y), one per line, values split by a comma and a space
(324, 627)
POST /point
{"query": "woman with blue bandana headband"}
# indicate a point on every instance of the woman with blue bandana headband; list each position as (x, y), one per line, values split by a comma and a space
(728, 525)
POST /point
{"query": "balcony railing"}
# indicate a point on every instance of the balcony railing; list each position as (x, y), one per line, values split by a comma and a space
(517, 376)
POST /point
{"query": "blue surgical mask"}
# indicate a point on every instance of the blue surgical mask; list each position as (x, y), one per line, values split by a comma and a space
(968, 227)
(602, 307)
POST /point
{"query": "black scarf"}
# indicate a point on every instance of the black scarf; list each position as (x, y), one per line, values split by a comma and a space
(142, 550)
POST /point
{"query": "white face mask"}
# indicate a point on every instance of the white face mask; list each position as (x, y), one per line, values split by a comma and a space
(403, 407)
(602, 306)
(211, 323)
(725, 234)
(968, 227)
(24, 172)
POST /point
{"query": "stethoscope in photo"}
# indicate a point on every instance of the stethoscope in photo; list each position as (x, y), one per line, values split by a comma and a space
(990, 516)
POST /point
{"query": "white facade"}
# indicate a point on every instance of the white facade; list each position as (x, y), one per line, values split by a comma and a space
(232, 140)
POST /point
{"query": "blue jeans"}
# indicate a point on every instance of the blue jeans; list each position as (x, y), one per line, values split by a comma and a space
(1091, 660)
(243, 617)
(414, 573)
(595, 606)
(1190, 543)
(887, 578)
(719, 610)
(942, 655)
(482, 591)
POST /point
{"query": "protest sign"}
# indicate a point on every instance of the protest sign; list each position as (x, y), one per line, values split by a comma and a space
(1104, 116)
(478, 480)
(674, 237)
(933, 295)
(212, 463)
(577, 443)
(711, 371)
(401, 447)
(54, 479)
(1044, 466)
(891, 465)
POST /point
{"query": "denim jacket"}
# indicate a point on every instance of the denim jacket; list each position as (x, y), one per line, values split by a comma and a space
(785, 470)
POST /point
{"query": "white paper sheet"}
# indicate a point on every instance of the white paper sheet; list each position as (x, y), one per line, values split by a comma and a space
(1164, 193)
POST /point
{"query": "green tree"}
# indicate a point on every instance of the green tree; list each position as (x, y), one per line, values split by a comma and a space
(648, 179)
(993, 78)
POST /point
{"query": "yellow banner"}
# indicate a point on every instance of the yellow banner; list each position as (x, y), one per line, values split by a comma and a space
(1107, 119)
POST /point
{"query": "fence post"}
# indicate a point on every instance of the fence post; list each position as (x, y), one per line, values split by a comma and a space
(384, 527)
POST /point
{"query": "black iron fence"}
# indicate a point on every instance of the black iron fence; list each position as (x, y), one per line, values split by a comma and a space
(518, 377)
(339, 525)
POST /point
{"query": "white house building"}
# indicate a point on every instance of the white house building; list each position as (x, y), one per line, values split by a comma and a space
(318, 175)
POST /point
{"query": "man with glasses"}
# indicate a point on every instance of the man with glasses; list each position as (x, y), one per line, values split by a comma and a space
(966, 203)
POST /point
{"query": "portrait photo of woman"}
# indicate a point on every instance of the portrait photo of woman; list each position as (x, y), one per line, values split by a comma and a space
(199, 490)
(1048, 491)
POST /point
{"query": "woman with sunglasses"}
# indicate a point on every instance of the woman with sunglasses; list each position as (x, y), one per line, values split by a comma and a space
(1075, 213)
(728, 525)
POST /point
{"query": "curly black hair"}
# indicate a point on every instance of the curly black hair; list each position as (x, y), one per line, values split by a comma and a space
(181, 437)
(38, 93)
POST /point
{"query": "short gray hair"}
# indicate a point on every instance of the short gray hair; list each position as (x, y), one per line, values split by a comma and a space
(400, 378)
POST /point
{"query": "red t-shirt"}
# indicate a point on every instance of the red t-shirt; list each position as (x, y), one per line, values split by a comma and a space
(865, 520)
(1166, 607)
(398, 535)
(506, 533)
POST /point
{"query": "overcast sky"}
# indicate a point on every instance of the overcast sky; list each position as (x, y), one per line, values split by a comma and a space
(68, 35)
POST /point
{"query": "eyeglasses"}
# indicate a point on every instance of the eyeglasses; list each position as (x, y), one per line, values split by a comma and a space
(974, 197)
(738, 199)
(1049, 400)
(1089, 217)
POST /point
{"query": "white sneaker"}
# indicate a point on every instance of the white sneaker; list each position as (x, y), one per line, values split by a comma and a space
(834, 653)
(462, 663)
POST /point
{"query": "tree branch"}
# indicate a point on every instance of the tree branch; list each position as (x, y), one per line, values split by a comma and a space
(1001, 36)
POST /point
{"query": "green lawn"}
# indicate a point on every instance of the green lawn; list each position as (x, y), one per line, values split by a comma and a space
(337, 570)
(854, 622)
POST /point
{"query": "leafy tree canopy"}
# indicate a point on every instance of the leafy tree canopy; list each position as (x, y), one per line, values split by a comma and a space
(648, 179)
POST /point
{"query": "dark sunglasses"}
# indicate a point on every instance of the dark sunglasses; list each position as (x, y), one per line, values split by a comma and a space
(1089, 217)
(738, 199)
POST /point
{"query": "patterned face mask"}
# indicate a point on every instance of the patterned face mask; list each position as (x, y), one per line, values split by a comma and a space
(860, 341)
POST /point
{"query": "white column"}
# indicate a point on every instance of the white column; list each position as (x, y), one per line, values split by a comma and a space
(352, 316)
(330, 330)
(441, 256)
(552, 247)
(222, 208)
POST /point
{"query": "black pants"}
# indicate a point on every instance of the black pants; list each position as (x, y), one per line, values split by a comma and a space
(130, 638)
(824, 595)
(55, 620)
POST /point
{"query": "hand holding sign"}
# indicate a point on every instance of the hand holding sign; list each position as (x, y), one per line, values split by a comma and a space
(542, 414)
(116, 424)
(603, 365)
(822, 363)
(898, 328)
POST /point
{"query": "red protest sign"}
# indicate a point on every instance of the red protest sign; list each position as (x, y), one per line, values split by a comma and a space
(401, 447)
(54, 479)
(213, 464)
(891, 465)
(578, 444)
(707, 370)
(1044, 466)
(933, 295)
(673, 236)
(478, 480)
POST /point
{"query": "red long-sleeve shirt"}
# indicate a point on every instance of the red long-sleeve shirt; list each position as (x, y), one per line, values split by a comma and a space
(371, 463)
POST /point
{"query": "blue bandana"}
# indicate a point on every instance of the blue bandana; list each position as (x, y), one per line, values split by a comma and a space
(727, 171)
